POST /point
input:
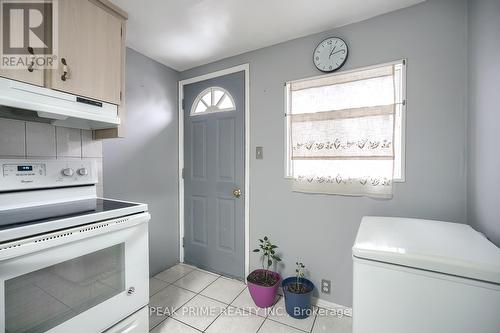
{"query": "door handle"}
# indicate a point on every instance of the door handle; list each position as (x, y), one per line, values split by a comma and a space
(237, 192)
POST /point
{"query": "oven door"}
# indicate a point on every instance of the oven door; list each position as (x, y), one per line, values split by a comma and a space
(84, 279)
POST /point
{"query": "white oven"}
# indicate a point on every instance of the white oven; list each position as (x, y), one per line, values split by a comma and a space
(76, 271)
(82, 279)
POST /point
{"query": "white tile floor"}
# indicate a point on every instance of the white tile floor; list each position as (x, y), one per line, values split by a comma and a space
(184, 299)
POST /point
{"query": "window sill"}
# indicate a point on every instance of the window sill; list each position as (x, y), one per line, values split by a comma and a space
(401, 180)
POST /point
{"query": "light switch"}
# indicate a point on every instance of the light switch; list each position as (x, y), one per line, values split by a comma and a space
(259, 153)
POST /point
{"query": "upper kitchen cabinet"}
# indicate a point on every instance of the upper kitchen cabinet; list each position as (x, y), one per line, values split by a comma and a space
(20, 54)
(91, 50)
(32, 75)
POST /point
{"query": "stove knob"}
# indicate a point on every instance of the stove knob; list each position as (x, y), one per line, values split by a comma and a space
(68, 172)
(83, 172)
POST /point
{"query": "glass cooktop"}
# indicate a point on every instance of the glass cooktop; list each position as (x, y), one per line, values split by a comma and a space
(40, 214)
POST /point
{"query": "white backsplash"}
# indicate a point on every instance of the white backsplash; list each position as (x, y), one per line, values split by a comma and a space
(21, 139)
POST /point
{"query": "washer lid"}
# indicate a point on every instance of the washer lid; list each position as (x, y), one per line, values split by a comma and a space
(444, 247)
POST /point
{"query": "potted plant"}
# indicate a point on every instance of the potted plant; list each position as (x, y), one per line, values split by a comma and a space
(298, 292)
(263, 283)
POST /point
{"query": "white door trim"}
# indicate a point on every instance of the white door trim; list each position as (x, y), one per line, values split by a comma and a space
(239, 68)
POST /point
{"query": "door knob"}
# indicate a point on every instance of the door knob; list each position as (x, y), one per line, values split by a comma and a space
(237, 192)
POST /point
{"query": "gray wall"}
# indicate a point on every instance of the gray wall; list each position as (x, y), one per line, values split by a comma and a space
(318, 229)
(484, 117)
(143, 166)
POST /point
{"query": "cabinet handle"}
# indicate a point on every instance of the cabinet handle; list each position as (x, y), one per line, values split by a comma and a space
(65, 69)
(32, 57)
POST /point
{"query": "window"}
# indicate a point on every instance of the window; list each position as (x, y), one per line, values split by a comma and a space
(213, 99)
(345, 132)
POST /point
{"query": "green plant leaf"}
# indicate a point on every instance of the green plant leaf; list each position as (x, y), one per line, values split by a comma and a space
(256, 250)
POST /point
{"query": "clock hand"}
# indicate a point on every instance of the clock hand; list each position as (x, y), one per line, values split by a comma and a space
(343, 51)
(332, 52)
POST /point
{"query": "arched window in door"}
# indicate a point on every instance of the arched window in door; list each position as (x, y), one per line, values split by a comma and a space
(213, 99)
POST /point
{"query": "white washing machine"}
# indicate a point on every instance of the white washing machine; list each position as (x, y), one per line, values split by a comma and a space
(423, 276)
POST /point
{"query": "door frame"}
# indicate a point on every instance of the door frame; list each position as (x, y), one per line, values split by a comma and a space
(182, 83)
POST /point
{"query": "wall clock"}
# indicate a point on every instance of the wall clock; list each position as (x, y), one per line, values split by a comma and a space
(330, 54)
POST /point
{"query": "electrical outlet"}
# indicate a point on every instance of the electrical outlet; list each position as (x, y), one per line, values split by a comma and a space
(326, 286)
(259, 153)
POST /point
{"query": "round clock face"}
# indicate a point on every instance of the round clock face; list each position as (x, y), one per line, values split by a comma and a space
(330, 54)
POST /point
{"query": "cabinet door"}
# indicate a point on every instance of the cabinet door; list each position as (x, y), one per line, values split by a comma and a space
(34, 77)
(91, 44)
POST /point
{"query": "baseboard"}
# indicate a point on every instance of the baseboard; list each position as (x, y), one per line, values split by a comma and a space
(331, 306)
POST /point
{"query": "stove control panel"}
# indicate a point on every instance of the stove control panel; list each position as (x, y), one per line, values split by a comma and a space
(23, 170)
(33, 174)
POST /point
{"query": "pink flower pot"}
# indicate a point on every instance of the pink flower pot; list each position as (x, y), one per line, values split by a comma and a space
(264, 296)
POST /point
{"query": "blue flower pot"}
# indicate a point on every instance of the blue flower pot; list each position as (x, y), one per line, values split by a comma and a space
(298, 305)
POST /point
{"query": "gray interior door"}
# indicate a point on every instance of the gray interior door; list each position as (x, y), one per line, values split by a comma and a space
(214, 168)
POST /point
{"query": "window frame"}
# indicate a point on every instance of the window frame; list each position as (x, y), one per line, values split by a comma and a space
(400, 108)
(211, 108)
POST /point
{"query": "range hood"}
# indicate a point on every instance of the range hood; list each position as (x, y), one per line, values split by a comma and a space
(30, 102)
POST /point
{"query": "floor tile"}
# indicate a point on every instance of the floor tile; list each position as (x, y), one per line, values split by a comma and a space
(174, 273)
(173, 326)
(165, 302)
(196, 280)
(331, 323)
(270, 326)
(224, 290)
(156, 285)
(244, 301)
(199, 312)
(236, 320)
(279, 314)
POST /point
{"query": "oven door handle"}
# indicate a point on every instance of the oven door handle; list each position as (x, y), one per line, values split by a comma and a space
(130, 327)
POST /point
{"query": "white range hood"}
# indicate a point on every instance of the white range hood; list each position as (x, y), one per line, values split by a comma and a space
(59, 108)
